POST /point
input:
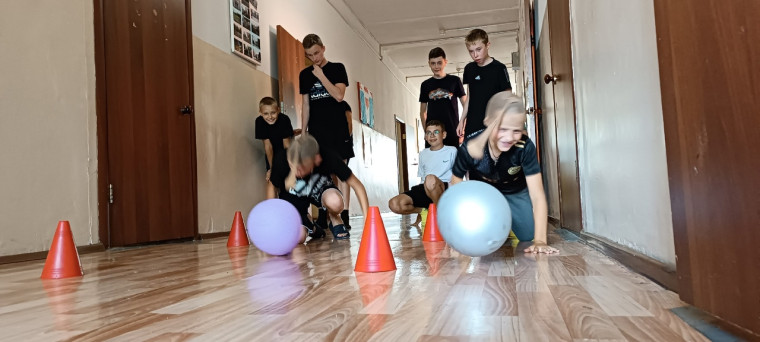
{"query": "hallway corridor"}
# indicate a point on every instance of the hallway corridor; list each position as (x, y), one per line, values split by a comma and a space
(204, 291)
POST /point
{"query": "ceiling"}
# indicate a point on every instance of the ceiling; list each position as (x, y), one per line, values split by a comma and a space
(407, 29)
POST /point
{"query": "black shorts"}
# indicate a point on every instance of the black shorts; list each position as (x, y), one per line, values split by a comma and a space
(303, 204)
(419, 198)
(342, 147)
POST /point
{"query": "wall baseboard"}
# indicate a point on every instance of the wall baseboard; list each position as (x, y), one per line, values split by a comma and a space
(9, 259)
(212, 235)
(653, 269)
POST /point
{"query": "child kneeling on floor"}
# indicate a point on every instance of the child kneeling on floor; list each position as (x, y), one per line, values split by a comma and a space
(303, 176)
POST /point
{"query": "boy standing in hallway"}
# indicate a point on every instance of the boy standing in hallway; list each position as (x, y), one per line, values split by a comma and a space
(484, 77)
(438, 97)
(323, 116)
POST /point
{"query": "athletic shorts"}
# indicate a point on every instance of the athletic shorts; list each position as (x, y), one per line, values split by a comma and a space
(420, 199)
(343, 148)
(303, 204)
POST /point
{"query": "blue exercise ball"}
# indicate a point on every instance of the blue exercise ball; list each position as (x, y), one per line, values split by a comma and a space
(474, 218)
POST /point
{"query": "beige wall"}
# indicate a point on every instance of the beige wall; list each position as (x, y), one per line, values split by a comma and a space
(230, 160)
(227, 90)
(48, 139)
(621, 142)
(47, 123)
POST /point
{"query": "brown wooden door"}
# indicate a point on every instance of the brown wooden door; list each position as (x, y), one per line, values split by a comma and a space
(548, 127)
(709, 59)
(558, 12)
(151, 144)
(291, 59)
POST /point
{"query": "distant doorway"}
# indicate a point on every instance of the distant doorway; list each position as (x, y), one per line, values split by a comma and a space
(403, 167)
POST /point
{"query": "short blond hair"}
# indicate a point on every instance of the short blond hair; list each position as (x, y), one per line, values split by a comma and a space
(500, 104)
(302, 148)
(268, 101)
(476, 35)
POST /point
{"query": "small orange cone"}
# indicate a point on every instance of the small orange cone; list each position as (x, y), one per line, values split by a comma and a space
(238, 236)
(432, 234)
(375, 253)
(62, 259)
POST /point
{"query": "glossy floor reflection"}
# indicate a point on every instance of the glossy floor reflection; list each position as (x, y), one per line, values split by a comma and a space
(204, 291)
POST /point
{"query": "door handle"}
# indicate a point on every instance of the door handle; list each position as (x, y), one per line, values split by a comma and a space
(551, 78)
(186, 110)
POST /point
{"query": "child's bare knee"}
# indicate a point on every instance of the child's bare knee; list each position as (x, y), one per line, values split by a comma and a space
(395, 205)
(333, 201)
(431, 182)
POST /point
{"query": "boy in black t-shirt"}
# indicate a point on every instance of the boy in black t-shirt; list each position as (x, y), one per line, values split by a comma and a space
(323, 115)
(438, 97)
(303, 175)
(323, 86)
(273, 129)
(484, 77)
(501, 155)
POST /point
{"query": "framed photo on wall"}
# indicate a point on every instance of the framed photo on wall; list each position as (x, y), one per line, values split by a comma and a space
(366, 104)
(245, 32)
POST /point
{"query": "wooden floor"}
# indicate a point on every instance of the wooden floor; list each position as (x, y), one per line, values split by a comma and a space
(207, 292)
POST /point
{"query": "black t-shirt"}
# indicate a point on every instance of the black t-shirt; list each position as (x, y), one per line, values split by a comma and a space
(327, 117)
(276, 132)
(484, 82)
(441, 97)
(507, 173)
(331, 165)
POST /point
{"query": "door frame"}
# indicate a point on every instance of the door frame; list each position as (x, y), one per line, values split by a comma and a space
(401, 146)
(101, 114)
(286, 57)
(544, 131)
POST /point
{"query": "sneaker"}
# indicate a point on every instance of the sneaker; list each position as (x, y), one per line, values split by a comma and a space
(423, 214)
(512, 239)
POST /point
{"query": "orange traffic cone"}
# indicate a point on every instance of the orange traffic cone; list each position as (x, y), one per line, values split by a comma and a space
(62, 259)
(238, 236)
(432, 234)
(375, 253)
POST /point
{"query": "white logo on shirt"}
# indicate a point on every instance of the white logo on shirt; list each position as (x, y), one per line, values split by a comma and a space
(477, 77)
(318, 91)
